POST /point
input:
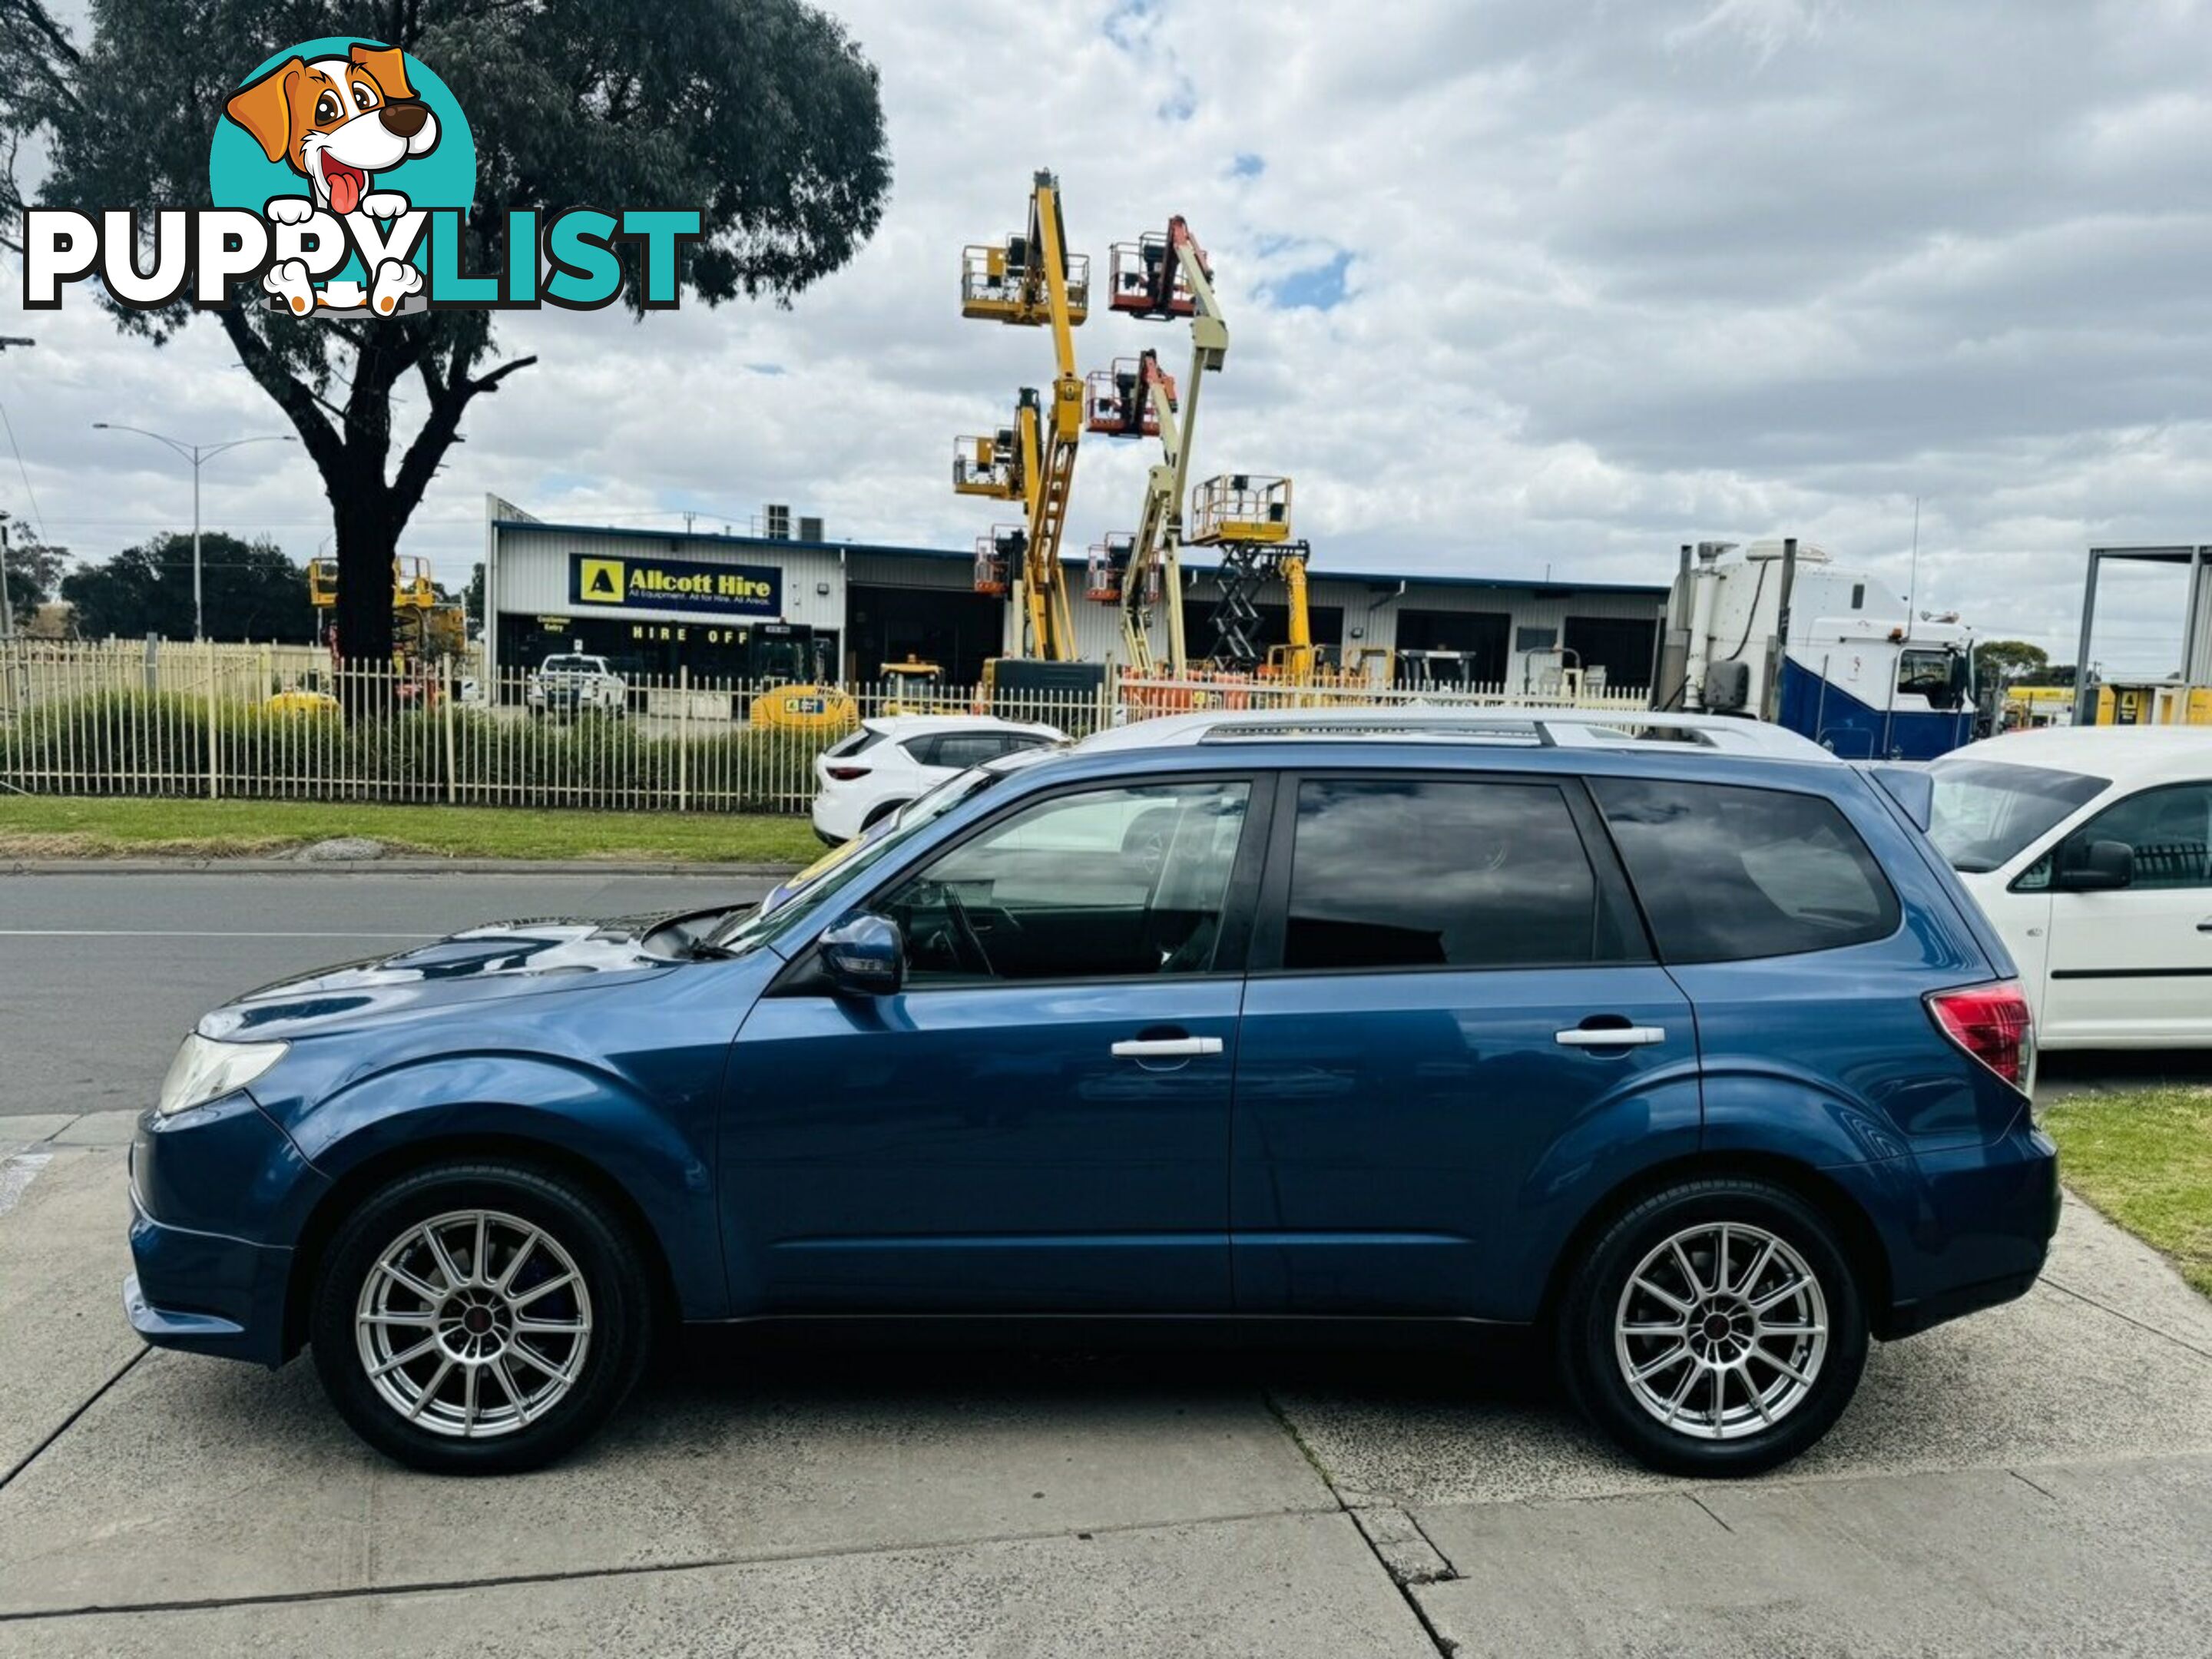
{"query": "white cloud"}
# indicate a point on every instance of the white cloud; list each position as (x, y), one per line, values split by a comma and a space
(1619, 276)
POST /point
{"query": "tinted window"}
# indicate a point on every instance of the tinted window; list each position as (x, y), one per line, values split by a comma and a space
(862, 739)
(2169, 831)
(1108, 883)
(964, 747)
(1426, 873)
(1726, 873)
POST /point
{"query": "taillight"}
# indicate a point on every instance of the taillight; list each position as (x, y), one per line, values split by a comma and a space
(846, 774)
(1992, 1024)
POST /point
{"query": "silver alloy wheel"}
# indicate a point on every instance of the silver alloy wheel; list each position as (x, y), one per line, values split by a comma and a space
(473, 1323)
(1720, 1331)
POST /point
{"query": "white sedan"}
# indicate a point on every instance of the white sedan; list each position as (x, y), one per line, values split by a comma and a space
(2090, 850)
(895, 758)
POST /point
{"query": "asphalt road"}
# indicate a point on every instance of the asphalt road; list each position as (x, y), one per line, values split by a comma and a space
(101, 976)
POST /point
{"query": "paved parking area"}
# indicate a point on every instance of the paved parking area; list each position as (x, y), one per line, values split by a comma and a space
(2038, 1479)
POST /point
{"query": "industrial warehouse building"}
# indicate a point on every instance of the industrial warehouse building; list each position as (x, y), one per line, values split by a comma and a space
(655, 602)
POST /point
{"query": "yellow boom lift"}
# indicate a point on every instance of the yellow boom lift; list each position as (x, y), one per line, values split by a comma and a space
(1163, 276)
(1029, 281)
(423, 626)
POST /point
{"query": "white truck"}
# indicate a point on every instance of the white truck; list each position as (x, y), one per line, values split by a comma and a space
(1778, 631)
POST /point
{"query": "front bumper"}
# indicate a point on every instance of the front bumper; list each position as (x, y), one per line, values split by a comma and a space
(209, 1190)
(205, 1293)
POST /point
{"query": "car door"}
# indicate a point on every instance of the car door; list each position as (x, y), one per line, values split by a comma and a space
(2133, 966)
(1453, 1018)
(1038, 1120)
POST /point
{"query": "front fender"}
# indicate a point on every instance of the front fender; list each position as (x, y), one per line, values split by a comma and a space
(664, 1167)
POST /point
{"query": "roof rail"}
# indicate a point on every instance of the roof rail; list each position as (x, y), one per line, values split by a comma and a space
(1584, 728)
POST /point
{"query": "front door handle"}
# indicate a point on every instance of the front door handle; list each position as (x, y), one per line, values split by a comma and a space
(1610, 1036)
(1181, 1048)
(2205, 926)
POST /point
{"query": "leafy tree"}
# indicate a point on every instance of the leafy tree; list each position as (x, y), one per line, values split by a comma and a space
(762, 112)
(2008, 662)
(249, 590)
(33, 571)
(472, 597)
(2058, 673)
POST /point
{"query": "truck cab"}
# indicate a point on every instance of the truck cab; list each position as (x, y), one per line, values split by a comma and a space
(1778, 631)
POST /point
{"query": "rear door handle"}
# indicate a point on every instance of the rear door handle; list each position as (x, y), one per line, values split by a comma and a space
(1611, 1036)
(2205, 926)
(1180, 1048)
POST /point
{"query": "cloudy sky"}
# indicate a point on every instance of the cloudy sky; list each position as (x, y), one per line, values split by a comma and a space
(1513, 285)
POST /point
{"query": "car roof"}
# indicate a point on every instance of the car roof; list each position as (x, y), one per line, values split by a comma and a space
(2130, 756)
(1504, 725)
(907, 726)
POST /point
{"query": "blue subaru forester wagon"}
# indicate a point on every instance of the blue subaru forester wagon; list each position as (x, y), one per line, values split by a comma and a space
(1668, 1036)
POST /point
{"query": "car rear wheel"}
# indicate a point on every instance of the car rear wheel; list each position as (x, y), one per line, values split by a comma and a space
(1716, 1328)
(480, 1318)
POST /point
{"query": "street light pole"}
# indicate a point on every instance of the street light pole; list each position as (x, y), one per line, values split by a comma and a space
(198, 455)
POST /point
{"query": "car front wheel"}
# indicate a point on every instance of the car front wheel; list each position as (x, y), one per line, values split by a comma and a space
(480, 1318)
(1716, 1328)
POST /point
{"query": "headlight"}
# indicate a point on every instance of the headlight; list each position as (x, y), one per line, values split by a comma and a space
(204, 1071)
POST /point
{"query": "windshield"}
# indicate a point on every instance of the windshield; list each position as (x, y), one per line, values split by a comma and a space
(782, 660)
(575, 665)
(1986, 813)
(826, 877)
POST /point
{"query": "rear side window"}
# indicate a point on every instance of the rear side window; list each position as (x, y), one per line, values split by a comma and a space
(863, 738)
(1389, 872)
(1727, 873)
(958, 749)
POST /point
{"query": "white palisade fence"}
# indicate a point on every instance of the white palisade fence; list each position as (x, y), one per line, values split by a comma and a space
(278, 722)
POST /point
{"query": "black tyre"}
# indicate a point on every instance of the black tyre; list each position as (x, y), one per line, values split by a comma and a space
(1715, 1329)
(480, 1318)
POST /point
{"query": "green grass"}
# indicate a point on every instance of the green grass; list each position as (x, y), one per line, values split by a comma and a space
(2144, 1159)
(38, 826)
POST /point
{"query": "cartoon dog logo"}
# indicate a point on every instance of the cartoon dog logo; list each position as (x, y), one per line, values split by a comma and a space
(338, 122)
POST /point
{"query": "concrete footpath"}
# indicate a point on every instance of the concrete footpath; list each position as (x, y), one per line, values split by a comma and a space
(2036, 1479)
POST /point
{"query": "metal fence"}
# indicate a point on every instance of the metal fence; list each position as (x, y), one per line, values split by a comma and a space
(277, 723)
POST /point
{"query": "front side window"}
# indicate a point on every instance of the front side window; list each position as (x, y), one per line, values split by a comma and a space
(1101, 883)
(1727, 874)
(2168, 830)
(1391, 872)
(1927, 674)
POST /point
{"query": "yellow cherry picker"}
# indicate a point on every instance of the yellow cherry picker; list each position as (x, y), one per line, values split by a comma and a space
(1031, 280)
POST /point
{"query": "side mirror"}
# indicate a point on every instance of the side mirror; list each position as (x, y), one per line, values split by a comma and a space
(865, 957)
(2100, 866)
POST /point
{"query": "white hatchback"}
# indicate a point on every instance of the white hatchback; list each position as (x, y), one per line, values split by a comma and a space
(2090, 849)
(892, 760)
